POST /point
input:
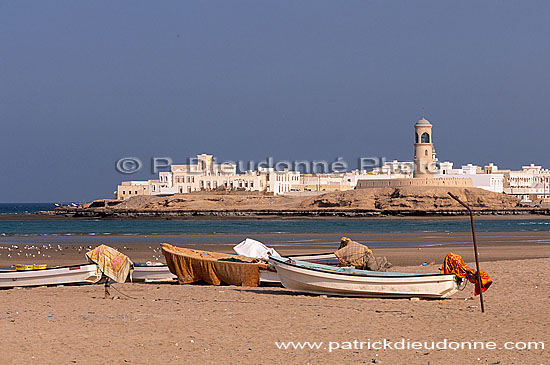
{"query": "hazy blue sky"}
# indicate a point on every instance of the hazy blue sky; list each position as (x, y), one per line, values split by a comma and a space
(84, 83)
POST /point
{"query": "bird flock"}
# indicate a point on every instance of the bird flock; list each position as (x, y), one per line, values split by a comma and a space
(47, 250)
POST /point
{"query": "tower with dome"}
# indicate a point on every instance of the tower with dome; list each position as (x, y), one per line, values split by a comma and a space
(424, 152)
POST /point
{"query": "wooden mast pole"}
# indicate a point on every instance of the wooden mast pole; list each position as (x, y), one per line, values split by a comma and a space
(478, 276)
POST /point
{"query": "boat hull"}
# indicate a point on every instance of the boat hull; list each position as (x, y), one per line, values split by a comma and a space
(80, 274)
(269, 277)
(307, 280)
(153, 274)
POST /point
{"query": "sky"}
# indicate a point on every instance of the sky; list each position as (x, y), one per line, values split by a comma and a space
(86, 83)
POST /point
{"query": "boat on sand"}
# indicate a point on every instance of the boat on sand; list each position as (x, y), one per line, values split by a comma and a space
(75, 274)
(152, 272)
(313, 278)
(215, 268)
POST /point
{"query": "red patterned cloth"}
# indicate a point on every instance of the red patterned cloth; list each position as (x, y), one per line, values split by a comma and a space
(454, 264)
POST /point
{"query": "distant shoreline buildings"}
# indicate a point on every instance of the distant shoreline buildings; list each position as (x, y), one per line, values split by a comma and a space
(531, 184)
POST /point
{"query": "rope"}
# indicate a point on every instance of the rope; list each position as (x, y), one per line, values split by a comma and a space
(126, 295)
(111, 284)
(462, 284)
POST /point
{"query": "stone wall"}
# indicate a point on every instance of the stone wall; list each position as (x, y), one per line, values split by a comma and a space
(395, 183)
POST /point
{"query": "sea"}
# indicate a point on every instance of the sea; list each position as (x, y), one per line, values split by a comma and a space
(22, 208)
(93, 231)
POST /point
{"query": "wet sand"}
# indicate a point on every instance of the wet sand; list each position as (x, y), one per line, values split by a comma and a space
(403, 250)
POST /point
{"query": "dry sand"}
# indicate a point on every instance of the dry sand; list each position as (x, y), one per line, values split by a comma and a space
(195, 324)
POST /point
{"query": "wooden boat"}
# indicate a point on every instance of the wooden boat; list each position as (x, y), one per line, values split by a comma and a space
(81, 274)
(312, 278)
(159, 272)
(152, 272)
(215, 268)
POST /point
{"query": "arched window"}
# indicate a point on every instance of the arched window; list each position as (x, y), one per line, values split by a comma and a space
(426, 153)
(425, 138)
(416, 138)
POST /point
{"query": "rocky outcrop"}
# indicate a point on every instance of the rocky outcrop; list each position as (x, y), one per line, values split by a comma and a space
(413, 198)
(403, 201)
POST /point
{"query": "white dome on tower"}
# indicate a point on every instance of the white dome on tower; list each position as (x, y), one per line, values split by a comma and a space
(423, 121)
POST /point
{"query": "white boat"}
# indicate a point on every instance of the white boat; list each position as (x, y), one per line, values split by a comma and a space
(152, 272)
(271, 277)
(312, 278)
(320, 258)
(86, 273)
(256, 249)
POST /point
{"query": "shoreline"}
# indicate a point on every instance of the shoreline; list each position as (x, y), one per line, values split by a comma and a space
(519, 214)
(401, 249)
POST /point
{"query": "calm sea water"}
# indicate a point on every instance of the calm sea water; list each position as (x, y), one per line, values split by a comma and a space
(95, 229)
(22, 208)
(249, 226)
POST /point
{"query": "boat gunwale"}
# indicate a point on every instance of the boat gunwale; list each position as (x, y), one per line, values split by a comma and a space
(414, 275)
(2, 271)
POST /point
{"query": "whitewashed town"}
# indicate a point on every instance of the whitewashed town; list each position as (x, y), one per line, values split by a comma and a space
(531, 184)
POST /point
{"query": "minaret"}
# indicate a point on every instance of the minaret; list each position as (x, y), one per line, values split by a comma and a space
(424, 154)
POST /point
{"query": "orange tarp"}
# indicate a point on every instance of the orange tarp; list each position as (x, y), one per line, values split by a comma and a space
(195, 265)
(454, 264)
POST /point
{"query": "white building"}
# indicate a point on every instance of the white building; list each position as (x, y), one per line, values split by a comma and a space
(488, 181)
(530, 184)
(395, 169)
(204, 174)
(279, 182)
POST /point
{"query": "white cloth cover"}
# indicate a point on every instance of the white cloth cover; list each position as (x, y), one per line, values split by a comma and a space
(254, 249)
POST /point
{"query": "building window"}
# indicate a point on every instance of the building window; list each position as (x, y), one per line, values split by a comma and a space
(425, 138)
(426, 153)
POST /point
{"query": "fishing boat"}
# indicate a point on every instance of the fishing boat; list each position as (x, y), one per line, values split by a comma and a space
(314, 278)
(270, 276)
(215, 268)
(161, 273)
(192, 264)
(76, 274)
(319, 258)
(256, 249)
(152, 272)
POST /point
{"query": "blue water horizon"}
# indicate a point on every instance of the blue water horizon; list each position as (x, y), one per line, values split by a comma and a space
(26, 208)
(106, 227)
(66, 228)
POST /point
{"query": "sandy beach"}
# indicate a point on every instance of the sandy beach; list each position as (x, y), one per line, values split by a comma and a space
(227, 324)
(207, 324)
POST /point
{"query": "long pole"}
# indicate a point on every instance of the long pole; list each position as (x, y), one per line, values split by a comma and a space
(107, 285)
(478, 281)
